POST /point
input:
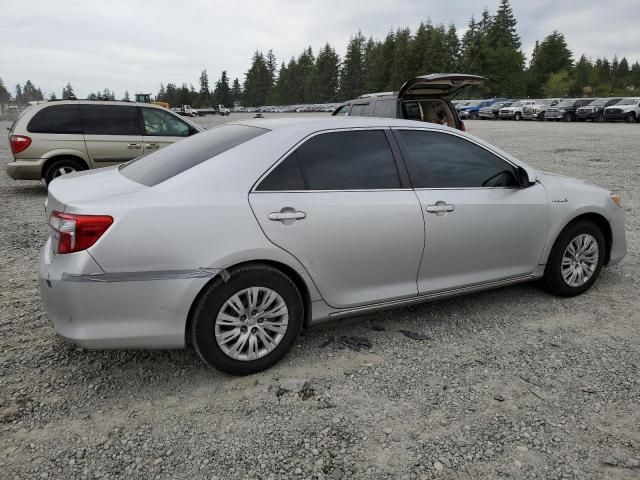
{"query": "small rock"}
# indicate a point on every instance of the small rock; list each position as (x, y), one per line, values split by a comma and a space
(499, 398)
(438, 466)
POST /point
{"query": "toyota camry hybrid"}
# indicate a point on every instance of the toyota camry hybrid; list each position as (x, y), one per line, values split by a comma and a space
(238, 238)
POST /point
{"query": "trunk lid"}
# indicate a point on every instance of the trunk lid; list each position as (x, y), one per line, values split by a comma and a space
(75, 189)
(437, 85)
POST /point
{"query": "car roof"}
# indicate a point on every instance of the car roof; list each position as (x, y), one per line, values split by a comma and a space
(310, 125)
(97, 102)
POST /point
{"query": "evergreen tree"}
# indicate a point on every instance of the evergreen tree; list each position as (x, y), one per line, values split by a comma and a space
(327, 70)
(52, 96)
(236, 91)
(501, 32)
(551, 56)
(67, 92)
(258, 82)
(352, 71)
(222, 93)
(401, 64)
(204, 93)
(126, 97)
(272, 65)
(5, 96)
(19, 99)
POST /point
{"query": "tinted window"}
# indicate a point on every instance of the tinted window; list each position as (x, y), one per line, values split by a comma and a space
(286, 176)
(385, 108)
(439, 160)
(176, 158)
(160, 123)
(348, 161)
(358, 110)
(56, 119)
(412, 111)
(110, 120)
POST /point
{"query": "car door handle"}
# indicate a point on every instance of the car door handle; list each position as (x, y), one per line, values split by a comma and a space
(287, 214)
(151, 146)
(134, 146)
(440, 207)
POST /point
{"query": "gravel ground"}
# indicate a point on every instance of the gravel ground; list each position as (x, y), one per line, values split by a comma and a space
(509, 383)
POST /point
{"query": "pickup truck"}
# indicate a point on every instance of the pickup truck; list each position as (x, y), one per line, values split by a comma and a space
(515, 110)
(186, 111)
(222, 110)
(536, 111)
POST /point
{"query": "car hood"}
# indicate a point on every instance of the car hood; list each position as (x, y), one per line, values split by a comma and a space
(559, 179)
(437, 84)
(68, 192)
(624, 108)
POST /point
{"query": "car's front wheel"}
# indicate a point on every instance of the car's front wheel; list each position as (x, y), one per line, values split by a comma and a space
(248, 323)
(575, 260)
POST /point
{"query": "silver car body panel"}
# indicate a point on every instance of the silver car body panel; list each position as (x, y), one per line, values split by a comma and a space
(136, 285)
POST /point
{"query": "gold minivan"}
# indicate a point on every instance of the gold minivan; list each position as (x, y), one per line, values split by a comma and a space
(60, 137)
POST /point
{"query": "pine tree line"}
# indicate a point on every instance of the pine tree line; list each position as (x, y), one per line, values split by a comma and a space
(490, 47)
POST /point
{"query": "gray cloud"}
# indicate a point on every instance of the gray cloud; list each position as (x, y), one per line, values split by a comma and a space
(135, 45)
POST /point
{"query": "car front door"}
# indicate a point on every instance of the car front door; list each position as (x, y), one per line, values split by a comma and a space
(480, 225)
(112, 133)
(340, 204)
(162, 128)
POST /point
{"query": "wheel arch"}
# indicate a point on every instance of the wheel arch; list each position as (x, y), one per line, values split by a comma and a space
(600, 221)
(63, 156)
(295, 276)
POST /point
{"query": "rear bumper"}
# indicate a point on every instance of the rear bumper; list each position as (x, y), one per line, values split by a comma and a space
(25, 169)
(92, 310)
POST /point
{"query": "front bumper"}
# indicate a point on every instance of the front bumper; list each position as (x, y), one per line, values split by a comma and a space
(530, 115)
(608, 116)
(554, 115)
(112, 313)
(590, 115)
(618, 237)
(25, 169)
(507, 115)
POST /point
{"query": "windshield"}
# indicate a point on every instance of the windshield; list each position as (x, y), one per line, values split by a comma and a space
(597, 103)
(566, 103)
(517, 104)
(159, 166)
(628, 101)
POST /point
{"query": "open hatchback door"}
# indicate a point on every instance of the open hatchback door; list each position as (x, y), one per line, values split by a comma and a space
(437, 85)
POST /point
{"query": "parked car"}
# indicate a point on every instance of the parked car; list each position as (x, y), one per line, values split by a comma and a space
(186, 111)
(627, 109)
(236, 239)
(472, 109)
(224, 111)
(536, 111)
(56, 138)
(492, 111)
(595, 110)
(515, 110)
(566, 109)
(423, 98)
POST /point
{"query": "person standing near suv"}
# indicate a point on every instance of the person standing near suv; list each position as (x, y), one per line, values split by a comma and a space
(61, 137)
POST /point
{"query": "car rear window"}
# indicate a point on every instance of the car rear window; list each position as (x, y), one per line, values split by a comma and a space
(56, 119)
(159, 166)
(385, 108)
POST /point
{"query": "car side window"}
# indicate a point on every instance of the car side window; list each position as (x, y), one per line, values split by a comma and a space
(164, 124)
(358, 110)
(343, 111)
(286, 176)
(110, 120)
(351, 160)
(56, 119)
(441, 160)
(385, 108)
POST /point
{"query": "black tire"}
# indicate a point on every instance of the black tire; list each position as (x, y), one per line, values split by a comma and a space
(599, 118)
(541, 117)
(553, 280)
(213, 299)
(52, 170)
(631, 117)
(518, 116)
(567, 117)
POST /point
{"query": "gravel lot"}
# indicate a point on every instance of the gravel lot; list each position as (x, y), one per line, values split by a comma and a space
(509, 383)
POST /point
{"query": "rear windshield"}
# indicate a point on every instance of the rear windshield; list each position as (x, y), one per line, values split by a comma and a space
(159, 166)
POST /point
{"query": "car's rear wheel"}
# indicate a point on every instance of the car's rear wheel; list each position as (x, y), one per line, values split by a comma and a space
(631, 117)
(61, 167)
(575, 260)
(248, 323)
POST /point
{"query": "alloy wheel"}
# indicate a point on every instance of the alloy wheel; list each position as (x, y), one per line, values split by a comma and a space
(580, 260)
(251, 323)
(63, 171)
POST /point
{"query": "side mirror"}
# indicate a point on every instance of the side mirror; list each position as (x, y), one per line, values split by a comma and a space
(523, 178)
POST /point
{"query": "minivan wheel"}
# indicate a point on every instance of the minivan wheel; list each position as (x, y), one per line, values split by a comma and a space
(61, 167)
(248, 323)
(575, 260)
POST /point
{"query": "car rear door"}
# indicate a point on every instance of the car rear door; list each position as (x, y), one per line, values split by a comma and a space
(112, 133)
(480, 226)
(162, 128)
(341, 205)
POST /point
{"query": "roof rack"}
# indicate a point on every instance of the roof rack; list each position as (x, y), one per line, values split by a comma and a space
(377, 94)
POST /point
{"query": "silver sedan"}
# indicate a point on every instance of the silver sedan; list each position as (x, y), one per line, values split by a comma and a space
(238, 238)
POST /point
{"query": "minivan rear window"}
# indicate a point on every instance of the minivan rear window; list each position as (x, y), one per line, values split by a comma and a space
(56, 119)
(164, 164)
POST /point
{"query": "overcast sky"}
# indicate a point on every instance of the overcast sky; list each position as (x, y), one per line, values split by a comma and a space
(134, 45)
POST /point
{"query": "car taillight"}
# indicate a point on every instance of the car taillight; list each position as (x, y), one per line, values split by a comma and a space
(73, 233)
(19, 143)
